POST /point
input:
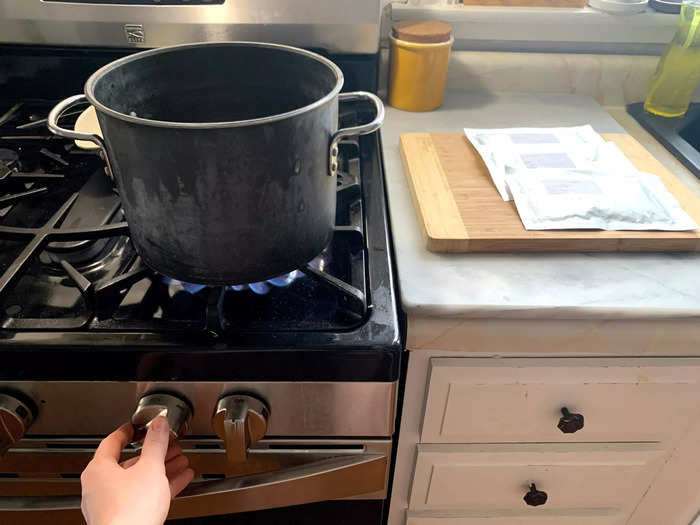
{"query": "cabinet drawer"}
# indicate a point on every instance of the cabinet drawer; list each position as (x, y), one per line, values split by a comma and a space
(497, 477)
(585, 517)
(521, 400)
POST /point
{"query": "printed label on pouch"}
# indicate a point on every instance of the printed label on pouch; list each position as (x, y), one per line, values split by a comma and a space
(547, 160)
(534, 138)
(569, 187)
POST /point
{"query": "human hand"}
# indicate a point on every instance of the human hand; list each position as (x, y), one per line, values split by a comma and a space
(137, 491)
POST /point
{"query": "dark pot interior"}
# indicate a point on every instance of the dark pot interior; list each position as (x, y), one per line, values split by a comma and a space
(214, 83)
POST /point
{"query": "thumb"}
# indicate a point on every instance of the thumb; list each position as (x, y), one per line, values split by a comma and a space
(155, 445)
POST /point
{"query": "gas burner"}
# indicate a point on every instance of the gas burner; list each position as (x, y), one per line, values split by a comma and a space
(261, 287)
(264, 287)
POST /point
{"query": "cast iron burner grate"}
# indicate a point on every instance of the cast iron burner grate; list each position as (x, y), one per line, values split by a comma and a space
(73, 268)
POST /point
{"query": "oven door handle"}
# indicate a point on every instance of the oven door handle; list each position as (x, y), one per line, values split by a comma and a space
(331, 478)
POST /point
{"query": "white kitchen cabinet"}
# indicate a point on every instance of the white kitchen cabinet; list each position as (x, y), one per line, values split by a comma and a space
(500, 400)
(477, 431)
(496, 477)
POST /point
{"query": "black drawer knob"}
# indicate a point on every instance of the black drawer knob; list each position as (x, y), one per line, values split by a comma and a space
(535, 497)
(570, 423)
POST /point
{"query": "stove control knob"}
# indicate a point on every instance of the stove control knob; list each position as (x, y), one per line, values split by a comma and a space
(240, 420)
(15, 419)
(176, 410)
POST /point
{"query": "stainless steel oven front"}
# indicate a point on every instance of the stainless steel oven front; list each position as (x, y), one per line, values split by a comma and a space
(318, 441)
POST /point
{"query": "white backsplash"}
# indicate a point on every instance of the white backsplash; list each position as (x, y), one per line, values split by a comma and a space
(613, 80)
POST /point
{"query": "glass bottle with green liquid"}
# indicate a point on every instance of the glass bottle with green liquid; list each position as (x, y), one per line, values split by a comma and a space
(678, 71)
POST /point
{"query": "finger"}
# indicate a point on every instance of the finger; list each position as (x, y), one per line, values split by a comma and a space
(173, 451)
(111, 447)
(155, 445)
(176, 465)
(129, 462)
(180, 481)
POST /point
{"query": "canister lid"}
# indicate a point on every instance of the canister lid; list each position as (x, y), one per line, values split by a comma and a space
(422, 31)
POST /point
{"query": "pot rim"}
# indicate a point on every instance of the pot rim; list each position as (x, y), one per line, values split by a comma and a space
(100, 73)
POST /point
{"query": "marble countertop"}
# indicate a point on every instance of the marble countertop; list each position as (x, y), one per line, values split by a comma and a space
(524, 286)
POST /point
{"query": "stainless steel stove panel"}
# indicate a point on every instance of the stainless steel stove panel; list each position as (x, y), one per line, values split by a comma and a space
(314, 409)
(338, 26)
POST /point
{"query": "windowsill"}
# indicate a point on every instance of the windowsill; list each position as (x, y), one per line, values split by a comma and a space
(543, 29)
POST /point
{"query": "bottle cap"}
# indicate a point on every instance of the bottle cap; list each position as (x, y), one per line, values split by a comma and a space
(422, 31)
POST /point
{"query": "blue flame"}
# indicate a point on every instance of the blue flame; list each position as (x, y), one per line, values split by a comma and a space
(260, 288)
(264, 287)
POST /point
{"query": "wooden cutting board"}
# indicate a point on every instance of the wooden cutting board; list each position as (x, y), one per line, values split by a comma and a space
(460, 209)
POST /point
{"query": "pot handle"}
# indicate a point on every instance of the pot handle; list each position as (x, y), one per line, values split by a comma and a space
(364, 129)
(56, 113)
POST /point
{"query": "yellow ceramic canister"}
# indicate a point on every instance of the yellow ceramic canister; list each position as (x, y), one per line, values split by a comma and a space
(420, 53)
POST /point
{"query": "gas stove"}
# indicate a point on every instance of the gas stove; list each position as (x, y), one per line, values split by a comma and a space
(91, 337)
(77, 268)
(71, 276)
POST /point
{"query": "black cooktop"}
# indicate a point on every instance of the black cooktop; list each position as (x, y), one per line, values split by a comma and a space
(76, 297)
